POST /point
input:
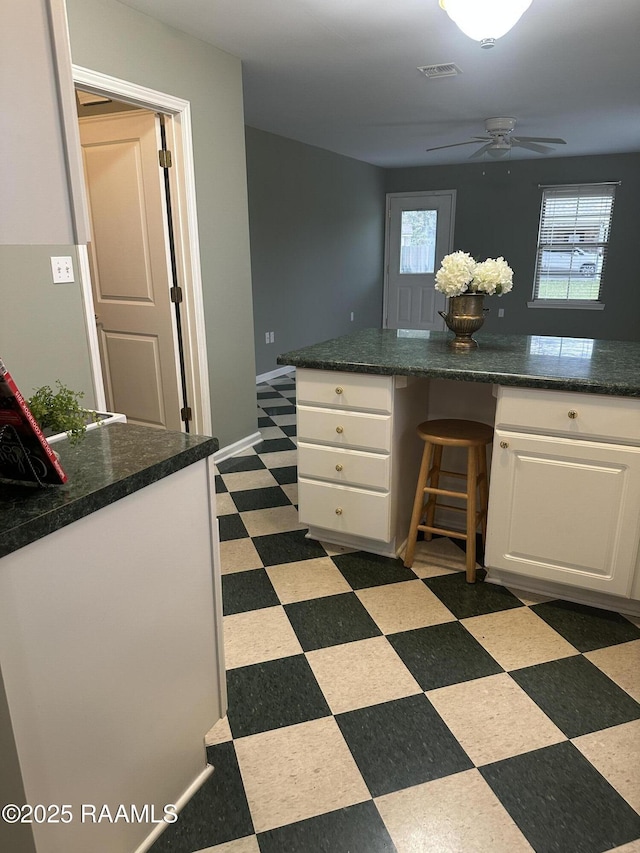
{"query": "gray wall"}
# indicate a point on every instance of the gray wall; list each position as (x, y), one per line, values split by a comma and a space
(113, 39)
(317, 243)
(42, 327)
(497, 213)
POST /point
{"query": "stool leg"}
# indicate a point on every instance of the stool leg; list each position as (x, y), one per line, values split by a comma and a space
(484, 490)
(418, 505)
(434, 482)
(472, 486)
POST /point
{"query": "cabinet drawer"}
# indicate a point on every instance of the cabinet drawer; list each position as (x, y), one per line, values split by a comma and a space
(590, 416)
(345, 429)
(352, 467)
(347, 510)
(345, 390)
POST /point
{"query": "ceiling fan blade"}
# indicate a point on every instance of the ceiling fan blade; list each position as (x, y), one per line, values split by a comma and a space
(531, 146)
(481, 151)
(551, 139)
(454, 145)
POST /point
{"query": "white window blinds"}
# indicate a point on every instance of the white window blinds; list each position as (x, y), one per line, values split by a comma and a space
(575, 222)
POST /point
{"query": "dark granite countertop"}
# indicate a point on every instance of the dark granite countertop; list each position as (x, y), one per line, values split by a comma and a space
(109, 464)
(530, 361)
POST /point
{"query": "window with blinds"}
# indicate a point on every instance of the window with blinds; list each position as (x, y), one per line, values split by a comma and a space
(575, 222)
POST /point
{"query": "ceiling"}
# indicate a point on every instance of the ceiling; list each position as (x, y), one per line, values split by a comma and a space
(342, 74)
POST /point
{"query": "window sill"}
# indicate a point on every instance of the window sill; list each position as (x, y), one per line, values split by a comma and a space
(578, 304)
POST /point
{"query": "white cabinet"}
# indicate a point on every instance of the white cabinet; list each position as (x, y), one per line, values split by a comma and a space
(564, 504)
(358, 456)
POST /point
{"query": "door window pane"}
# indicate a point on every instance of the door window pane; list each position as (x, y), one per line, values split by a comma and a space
(418, 241)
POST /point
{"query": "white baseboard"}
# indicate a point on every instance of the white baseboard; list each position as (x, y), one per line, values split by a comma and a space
(237, 447)
(273, 374)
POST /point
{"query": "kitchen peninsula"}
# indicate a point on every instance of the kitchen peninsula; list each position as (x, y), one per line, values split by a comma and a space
(111, 655)
(564, 498)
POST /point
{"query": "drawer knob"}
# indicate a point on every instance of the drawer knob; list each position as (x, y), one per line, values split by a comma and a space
(339, 389)
(504, 444)
(338, 510)
(572, 414)
(339, 430)
(338, 467)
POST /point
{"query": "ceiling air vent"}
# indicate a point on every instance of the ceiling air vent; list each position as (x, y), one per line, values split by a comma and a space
(447, 69)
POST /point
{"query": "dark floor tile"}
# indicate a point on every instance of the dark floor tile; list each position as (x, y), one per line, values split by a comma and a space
(265, 422)
(285, 386)
(586, 628)
(251, 499)
(243, 591)
(231, 527)
(561, 803)
(279, 410)
(576, 695)
(471, 599)
(443, 654)
(268, 394)
(274, 445)
(361, 569)
(274, 694)
(288, 474)
(330, 621)
(402, 743)
(217, 812)
(288, 547)
(220, 486)
(252, 462)
(289, 429)
(355, 829)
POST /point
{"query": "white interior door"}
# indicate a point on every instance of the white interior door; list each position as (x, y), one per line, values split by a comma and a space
(419, 235)
(130, 267)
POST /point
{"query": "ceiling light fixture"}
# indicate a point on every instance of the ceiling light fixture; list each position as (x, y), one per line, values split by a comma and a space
(485, 20)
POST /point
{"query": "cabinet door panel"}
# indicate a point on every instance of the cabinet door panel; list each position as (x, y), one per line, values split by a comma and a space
(343, 509)
(351, 467)
(564, 510)
(345, 429)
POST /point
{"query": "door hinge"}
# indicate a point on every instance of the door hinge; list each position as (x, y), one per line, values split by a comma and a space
(176, 294)
(165, 158)
(186, 413)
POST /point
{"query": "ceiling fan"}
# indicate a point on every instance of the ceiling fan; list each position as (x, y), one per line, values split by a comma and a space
(499, 140)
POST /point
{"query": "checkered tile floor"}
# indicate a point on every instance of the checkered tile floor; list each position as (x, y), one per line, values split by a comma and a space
(375, 708)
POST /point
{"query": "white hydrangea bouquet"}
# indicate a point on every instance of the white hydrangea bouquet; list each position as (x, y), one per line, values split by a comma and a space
(459, 274)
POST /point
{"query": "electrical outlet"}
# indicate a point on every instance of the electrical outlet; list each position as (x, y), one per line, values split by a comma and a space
(266, 337)
(272, 337)
(62, 269)
(352, 316)
(500, 312)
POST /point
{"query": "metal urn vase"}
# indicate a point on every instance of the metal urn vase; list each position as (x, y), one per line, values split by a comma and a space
(465, 316)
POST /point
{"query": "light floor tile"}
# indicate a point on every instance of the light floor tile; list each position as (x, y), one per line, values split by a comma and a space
(280, 458)
(220, 733)
(622, 664)
(307, 579)
(615, 753)
(456, 814)
(271, 432)
(277, 519)
(517, 638)
(249, 844)
(334, 550)
(297, 772)
(631, 847)
(242, 480)
(404, 606)
(291, 491)
(239, 555)
(272, 402)
(225, 504)
(257, 636)
(284, 420)
(437, 557)
(493, 718)
(365, 672)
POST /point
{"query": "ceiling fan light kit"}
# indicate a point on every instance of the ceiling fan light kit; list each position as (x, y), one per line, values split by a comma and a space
(485, 20)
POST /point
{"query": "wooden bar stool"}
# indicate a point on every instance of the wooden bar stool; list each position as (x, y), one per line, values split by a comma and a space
(437, 435)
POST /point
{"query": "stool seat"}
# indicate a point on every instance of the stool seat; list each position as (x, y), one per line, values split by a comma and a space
(438, 434)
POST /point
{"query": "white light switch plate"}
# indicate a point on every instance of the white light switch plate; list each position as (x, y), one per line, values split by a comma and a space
(62, 269)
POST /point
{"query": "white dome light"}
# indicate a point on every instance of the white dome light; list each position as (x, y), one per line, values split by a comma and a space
(485, 20)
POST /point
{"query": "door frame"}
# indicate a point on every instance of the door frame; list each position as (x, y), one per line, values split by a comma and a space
(187, 244)
(387, 237)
